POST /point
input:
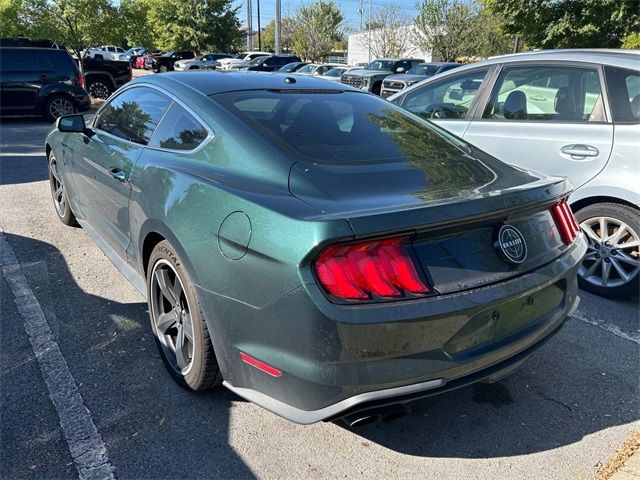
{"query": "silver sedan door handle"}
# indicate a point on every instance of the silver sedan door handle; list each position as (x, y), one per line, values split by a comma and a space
(118, 174)
(580, 150)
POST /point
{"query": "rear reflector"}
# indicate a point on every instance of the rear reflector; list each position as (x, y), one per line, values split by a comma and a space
(364, 271)
(254, 362)
(565, 221)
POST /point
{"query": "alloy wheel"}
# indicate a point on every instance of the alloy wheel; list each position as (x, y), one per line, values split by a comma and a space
(613, 253)
(99, 90)
(61, 106)
(171, 315)
(57, 187)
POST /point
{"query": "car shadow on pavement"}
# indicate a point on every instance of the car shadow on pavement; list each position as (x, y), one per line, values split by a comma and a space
(581, 382)
(152, 428)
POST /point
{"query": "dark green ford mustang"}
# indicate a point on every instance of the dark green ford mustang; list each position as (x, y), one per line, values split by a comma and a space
(319, 251)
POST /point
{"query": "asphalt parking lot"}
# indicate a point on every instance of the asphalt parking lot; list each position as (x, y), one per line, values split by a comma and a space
(558, 417)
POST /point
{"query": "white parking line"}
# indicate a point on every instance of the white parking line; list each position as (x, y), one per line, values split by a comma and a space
(85, 443)
(607, 327)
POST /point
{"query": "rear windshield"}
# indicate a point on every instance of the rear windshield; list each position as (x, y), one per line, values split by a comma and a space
(426, 70)
(341, 127)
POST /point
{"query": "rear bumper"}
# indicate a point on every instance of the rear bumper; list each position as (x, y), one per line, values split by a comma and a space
(337, 360)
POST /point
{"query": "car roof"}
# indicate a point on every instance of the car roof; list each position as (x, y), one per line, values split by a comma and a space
(211, 83)
(618, 57)
(397, 59)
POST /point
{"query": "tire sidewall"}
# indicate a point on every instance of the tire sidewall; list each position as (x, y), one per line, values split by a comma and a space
(623, 213)
(47, 106)
(165, 251)
(68, 218)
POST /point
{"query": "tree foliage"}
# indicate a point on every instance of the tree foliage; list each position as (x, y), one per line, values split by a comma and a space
(389, 36)
(194, 25)
(569, 23)
(318, 29)
(455, 28)
(75, 24)
(443, 27)
(287, 35)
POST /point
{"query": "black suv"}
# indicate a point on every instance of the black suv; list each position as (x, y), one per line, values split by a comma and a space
(272, 63)
(164, 63)
(40, 81)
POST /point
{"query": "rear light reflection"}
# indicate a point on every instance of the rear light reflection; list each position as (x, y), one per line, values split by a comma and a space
(565, 221)
(378, 269)
(80, 80)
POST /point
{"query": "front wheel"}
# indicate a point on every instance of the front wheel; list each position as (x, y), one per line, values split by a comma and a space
(611, 267)
(59, 194)
(99, 88)
(178, 323)
(163, 69)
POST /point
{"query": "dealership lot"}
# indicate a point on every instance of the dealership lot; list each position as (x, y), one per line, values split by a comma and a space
(564, 412)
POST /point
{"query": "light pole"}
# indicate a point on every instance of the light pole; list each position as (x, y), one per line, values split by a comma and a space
(369, 29)
(249, 26)
(278, 28)
(259, 37)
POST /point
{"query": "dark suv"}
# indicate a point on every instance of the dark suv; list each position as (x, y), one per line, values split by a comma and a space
(272, 63)
(40, 81)
(164, 63)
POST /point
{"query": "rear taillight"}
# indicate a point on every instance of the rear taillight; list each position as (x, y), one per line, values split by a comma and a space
(372, 270)
(80, 80)
(565, 221)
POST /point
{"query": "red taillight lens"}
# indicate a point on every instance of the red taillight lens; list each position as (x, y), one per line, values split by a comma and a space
(377, 269)
(80, 80)
(565, 221)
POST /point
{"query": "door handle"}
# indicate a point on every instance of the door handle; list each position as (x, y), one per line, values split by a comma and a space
(580, 150)
(538, 98)
(118, 174)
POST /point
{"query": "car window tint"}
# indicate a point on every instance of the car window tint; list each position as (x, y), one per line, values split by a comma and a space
(344, 127)
(449, 98)
(624, 93)
(546, 93)
(134, 114)
(178, 130)
(24, 61)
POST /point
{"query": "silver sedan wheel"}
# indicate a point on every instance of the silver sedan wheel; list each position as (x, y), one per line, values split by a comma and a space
(171, 315)
(613, 253)
(57, 187)
(61, 106)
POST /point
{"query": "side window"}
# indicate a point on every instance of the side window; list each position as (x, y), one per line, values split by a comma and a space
(178, 130)
(546, 93)
(449, 98)
(624, 93)
(134, 114)
(24, 61)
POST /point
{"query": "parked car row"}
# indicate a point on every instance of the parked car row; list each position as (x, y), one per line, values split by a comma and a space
(48, 81)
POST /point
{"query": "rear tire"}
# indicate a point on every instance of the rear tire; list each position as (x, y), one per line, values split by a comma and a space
(176, 315)
(163, 69)
(59, 105)
(99, 88)
(611, 267)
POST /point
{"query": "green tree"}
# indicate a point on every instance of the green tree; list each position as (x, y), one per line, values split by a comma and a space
(135, 28)
(317, 29)
(631, 41)
(76, 24)
(444, 27)
(569, 23)
(197, 24)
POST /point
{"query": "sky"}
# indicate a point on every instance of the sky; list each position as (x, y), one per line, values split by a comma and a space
(349, 9)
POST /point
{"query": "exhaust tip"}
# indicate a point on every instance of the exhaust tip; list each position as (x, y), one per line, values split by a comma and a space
(385, 414)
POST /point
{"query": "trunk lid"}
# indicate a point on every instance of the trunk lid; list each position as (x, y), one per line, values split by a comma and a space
(455, 204)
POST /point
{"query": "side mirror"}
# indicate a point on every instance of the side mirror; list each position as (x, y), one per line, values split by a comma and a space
(71, 124)
(400, 70)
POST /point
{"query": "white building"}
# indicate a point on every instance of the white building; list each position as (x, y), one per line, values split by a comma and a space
(359, 51)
